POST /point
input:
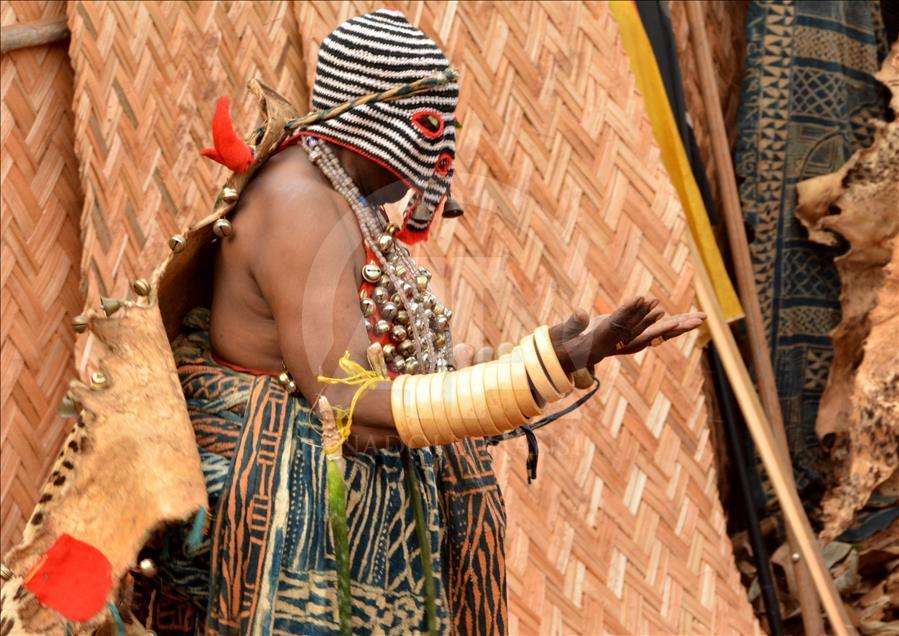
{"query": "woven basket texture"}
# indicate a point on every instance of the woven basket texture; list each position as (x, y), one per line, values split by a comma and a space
(567, 204)
(40, 254)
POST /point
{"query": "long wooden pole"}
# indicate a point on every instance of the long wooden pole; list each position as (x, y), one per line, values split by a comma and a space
(779, 473)
(46, 31)
(739, 249)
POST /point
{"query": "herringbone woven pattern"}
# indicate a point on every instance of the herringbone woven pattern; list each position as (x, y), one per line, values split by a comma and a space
(147, 77)
(567, 203)
(725, 23)
(40, 252)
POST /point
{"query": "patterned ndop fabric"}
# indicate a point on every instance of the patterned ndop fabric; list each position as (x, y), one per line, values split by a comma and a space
(808, 99)
(268, 566)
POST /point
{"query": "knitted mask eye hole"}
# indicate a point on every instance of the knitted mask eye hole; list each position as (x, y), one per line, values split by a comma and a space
(429, 123)
(444, 163)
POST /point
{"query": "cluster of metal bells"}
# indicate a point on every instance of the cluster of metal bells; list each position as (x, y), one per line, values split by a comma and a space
(385, 312)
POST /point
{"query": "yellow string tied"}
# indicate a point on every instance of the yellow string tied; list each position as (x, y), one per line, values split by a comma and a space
(356, 375)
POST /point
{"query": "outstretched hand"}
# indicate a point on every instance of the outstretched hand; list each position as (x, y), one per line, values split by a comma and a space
(580, 342)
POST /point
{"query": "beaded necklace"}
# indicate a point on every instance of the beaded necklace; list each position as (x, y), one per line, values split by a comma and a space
(395, 297)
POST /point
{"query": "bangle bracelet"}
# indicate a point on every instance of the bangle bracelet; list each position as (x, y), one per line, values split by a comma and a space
(499, 421)
(397, 408)
(524, 397)
(451, 404)
(550, 360)
(422, 399)
(469, 420)
(479, 398)
(443, 434)
(417, 438)
(536, 372)
(507, 399)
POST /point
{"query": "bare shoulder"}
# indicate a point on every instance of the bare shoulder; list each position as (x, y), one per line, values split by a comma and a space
(292, 215)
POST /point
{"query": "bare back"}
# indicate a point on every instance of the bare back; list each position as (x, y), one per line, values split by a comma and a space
(243, 327)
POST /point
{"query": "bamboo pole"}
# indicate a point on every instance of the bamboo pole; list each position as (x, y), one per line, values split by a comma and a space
(736, 234)
(780, 474)
(20, 36)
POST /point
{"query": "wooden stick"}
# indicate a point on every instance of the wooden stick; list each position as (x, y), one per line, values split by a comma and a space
(46, 31)
(755, 328)
(780, 474)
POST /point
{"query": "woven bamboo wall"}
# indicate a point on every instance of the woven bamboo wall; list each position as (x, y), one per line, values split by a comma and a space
(725, 23)
(566, 203)
(40, 252)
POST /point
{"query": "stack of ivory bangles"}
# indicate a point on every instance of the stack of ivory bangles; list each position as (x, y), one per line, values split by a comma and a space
(485, 399)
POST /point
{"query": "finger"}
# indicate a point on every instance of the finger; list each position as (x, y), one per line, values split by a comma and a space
(572, 326)
(463, 353)
(658, 330)
(628, 316)
(651, 318)
(484, 354)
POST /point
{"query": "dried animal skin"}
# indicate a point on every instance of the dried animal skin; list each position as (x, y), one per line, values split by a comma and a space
(860, 405)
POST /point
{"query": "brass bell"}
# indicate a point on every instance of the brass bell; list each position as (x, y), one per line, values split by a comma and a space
(177, 243)
(388, 310)
(385, 243)
(222, 228)
(371, 272)
(291, 387)
(438, 308)
(424, 272)
(67, 407)
(110, 305)
(391, 229)
(98, 380)
(451, 208)
(440, 341)
(411, 365)
(401, 270)
(399, 333)
(229, 194)
(406, 347)
(284, 378)
(368, 307)
(79, 323)
(380, 295)
(389, 351)
(399, 364)
(141, 287)
(147, 568)
(441, 323)
(402, 317)
(421, 281)
(381, 327)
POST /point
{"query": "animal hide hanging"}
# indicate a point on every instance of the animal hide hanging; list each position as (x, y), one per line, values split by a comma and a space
(860, 405)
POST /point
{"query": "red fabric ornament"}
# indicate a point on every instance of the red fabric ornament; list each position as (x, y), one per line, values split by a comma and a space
(230, 150)
(73, 578)
(411, 237)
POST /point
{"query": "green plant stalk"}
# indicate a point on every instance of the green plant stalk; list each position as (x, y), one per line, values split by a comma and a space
(424, 543)
(337, 515)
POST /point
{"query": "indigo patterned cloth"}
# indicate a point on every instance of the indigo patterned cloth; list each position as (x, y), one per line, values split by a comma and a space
(268, 566)
(808, 97)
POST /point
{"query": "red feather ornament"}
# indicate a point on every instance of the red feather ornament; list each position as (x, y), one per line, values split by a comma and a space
(230, 150)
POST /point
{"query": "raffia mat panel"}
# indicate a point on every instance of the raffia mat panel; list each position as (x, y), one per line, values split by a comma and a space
(40, 252)
(567, 204)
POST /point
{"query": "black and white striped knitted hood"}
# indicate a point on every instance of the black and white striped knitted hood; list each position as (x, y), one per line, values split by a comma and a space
(414, 137)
